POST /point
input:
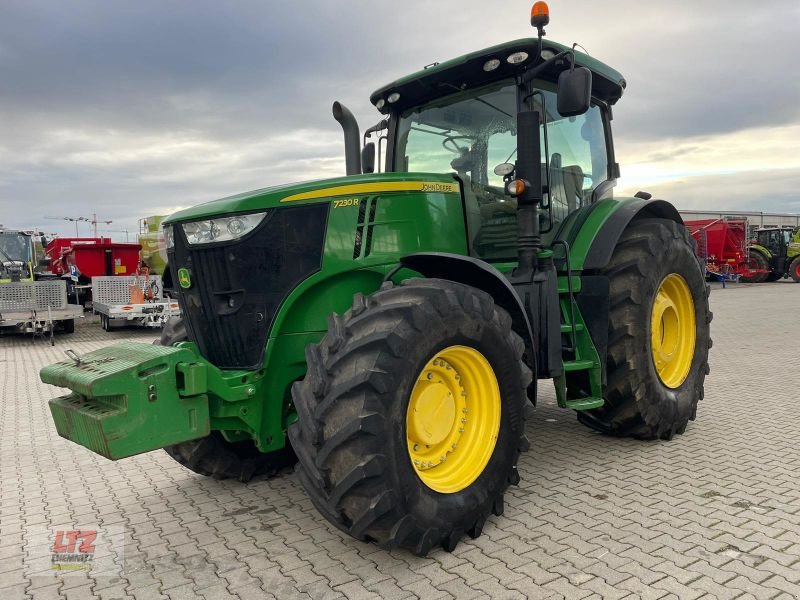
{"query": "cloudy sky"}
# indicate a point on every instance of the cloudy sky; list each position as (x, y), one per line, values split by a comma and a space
(126, 108)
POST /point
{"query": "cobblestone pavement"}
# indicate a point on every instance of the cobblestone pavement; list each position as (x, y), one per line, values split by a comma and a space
(715, 512)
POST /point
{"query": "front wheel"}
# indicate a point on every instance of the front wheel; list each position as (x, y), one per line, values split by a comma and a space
(411, 415)
(794, 270)
(658, 339)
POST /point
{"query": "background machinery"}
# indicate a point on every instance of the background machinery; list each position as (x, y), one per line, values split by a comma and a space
(776, 253)
(386, 329)
(30, 302)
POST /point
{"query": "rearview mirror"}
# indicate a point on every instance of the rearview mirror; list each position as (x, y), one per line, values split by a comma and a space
(574, 92)
(368, 158)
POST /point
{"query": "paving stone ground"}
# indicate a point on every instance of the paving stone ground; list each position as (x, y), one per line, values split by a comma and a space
(713, 513)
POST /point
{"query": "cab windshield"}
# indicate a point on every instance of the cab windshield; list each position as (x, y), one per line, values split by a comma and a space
(470, 133)
(14, 247)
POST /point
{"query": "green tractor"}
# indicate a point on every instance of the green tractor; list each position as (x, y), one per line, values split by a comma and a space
(385, 330)
(776, 254)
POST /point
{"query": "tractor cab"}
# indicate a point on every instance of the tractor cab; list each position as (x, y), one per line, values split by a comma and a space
(461, 117)
(776, 240)
(16, 256)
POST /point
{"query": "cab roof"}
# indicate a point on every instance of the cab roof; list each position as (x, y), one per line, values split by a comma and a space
(467, 72)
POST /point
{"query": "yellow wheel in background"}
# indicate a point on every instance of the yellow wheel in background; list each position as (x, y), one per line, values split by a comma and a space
(673, 330)
(453, 419)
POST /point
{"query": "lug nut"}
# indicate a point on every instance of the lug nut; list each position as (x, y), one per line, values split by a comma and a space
(442, 459)
(464, 410)
(416, 447)
(151, 397)
(430, 464)
(429, 375)
(460, 430)
(464, 420)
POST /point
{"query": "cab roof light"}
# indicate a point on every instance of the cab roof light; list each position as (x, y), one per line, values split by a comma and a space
(540, 15)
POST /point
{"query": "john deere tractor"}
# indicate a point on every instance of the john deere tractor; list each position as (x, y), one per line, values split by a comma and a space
(386, 329)
(776, 254)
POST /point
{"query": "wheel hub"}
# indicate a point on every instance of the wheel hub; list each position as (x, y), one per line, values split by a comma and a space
(450, 446)
(673, 330)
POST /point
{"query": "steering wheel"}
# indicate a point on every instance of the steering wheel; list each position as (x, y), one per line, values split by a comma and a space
(450, 143)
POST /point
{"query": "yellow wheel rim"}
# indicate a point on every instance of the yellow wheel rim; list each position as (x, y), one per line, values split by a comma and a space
(673, 330)
(453, 419)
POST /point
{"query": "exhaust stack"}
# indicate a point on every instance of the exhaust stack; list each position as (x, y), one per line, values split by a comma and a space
(352, 156)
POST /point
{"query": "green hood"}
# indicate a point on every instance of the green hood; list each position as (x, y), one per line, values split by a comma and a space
(316, 191)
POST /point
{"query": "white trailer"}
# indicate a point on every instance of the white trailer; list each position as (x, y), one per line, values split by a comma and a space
(113, 300)
(37, 307)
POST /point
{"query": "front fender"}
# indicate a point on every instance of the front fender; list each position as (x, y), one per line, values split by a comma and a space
(479, 274)
(767, 254)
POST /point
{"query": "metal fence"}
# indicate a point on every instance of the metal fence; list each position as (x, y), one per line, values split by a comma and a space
(37, 295)
(117, 290)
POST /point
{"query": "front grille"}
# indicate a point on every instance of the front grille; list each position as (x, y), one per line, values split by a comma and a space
(237, 287)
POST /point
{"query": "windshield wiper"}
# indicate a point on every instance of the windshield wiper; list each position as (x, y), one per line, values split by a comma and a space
(7, 256)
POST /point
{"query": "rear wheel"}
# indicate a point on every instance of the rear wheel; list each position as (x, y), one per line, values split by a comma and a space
(658, 334)
(758, 265)
(411, 415)
(794, 269)
(214, 456)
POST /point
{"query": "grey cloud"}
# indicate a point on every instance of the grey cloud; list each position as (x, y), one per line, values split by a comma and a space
(87, 82)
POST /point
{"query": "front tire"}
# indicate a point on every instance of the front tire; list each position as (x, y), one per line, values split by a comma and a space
(213, 455)
(658, 334)
(383, 440)
(794, 270)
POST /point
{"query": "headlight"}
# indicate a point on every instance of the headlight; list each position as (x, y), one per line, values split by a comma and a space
(223, 229)
(167, 238)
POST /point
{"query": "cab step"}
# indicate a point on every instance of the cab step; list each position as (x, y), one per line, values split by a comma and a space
(568, 328)
(584, 403)
(578, 365)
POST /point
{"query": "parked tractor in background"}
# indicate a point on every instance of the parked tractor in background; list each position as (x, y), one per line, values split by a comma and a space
(775, 254)
(388, 328)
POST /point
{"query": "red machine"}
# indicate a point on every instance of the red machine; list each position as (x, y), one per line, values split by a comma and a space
(722, 247)
(94, 256)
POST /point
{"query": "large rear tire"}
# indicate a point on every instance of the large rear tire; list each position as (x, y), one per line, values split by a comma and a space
(757, 262)
(658, 334)
(411, 415)
(214, 456)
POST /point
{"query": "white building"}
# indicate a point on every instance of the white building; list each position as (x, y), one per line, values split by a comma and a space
(755, 219)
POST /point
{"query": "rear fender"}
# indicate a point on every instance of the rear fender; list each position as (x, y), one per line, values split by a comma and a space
(593, 232)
